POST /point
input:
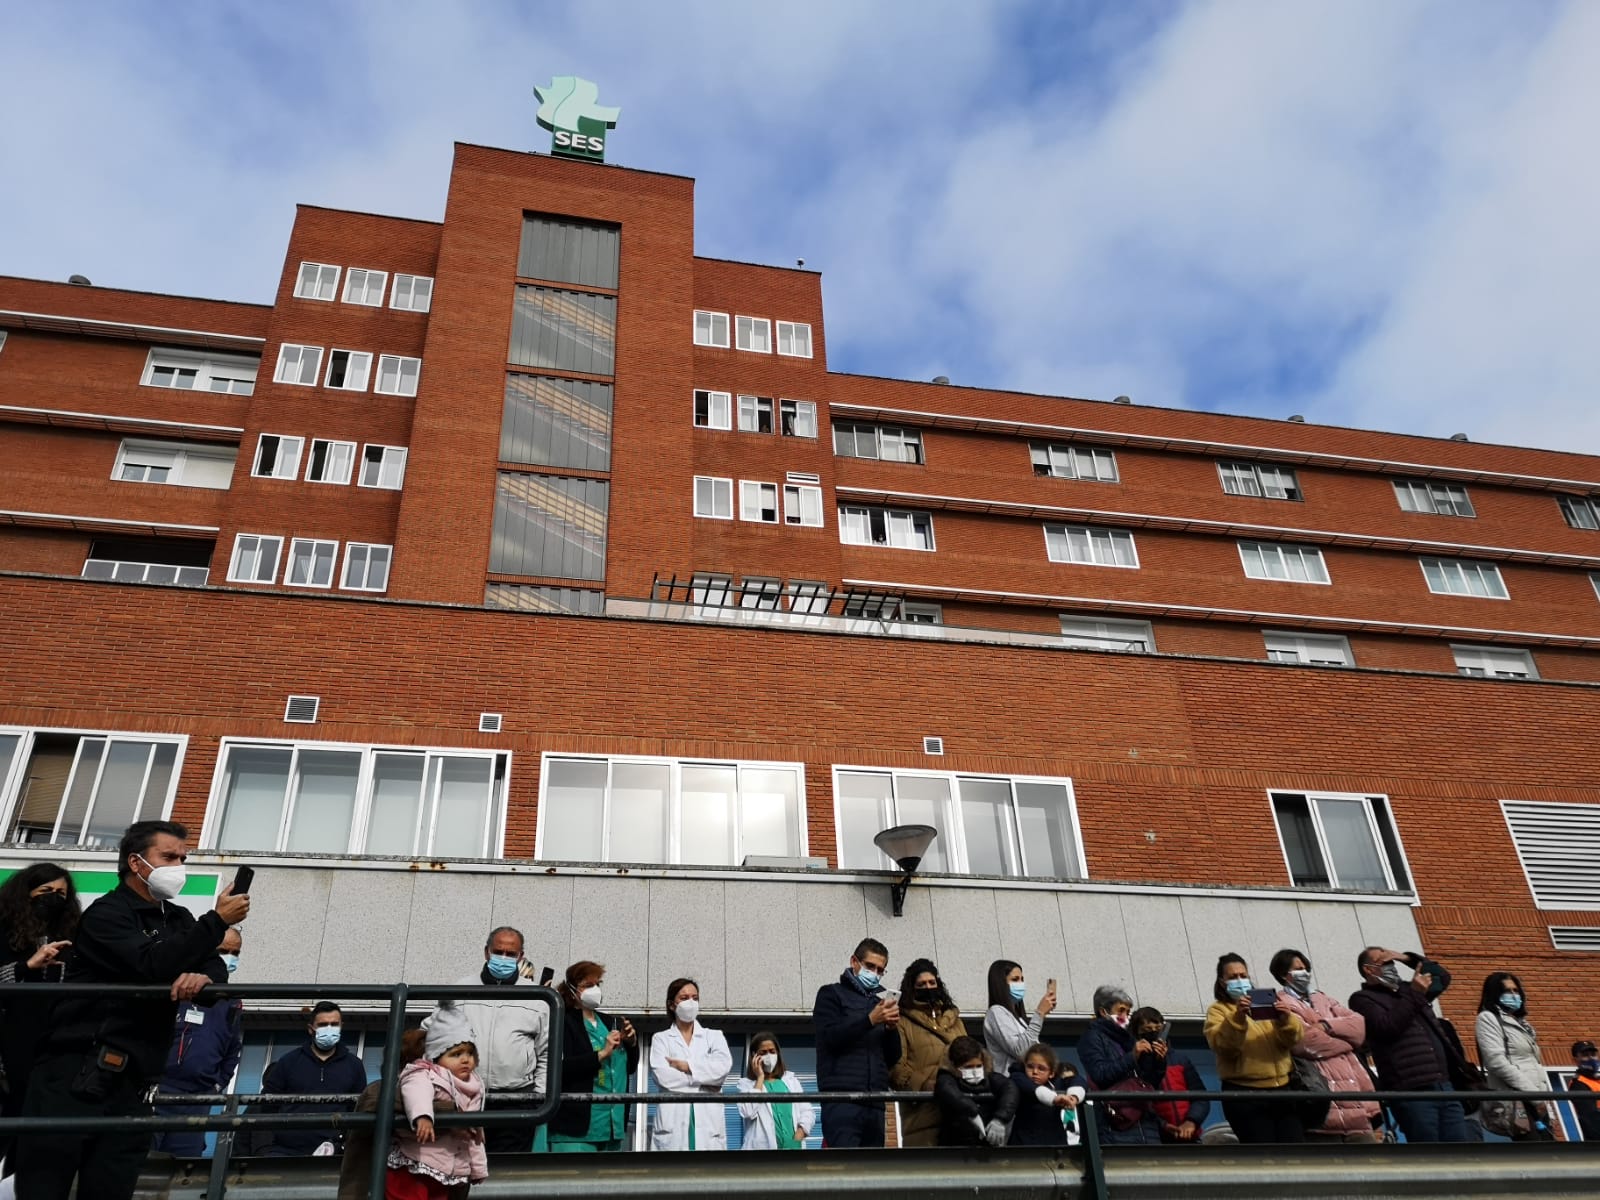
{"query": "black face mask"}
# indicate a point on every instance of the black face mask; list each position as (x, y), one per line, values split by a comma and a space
(926, 995)
(48, 906)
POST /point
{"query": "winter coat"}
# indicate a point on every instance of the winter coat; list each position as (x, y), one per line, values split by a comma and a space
(204, 1056)
(513, 1035)
(301, 1072)
(709, 1063)
(1508, 1048)
(925, 1038)
(355, 1164)
(994, 1099)
(455, 1154)
(1007, 1036)
(760, 1127)
(1403, 1035)
(853, 1054)
(580, 1067)
(1336, 1051)
(1178, 1074)
(1106, 1052)
(1251, 1053)
(1038, 1121)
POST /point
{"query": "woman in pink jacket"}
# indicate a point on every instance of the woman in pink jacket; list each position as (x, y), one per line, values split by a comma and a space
(429, 1164)
(1334, 1037)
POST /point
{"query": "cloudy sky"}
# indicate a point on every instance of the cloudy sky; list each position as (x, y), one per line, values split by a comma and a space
(1373, 212)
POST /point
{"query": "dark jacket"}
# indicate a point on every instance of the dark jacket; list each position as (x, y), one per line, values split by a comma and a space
(24, 1020)
(853, 1054)
(580, 1067)
(1036, 1123)
(1586, 1103)
(1179, 1075)
(959, 1101)
(124, 938)
(1403, 1035)
(301, 1072)
(1106, 1052)
(204, 1057)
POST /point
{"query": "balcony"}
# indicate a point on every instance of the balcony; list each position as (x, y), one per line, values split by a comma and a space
(145, 572)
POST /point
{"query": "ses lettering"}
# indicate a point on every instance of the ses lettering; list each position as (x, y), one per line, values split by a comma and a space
(580, 141)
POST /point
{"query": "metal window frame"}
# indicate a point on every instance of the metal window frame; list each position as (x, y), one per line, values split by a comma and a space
(1312, 795)
(300, 348)
(1093, 532)
(367, 275)
(713, 480)
(1282, 551)
(711, 331)
(300, 279)
(711, 395)
(777, 341)
(314, 543)
(12, 778)
(277, 556)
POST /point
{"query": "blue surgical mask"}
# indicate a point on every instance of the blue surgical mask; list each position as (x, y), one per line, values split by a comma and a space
(231, 961)
(502, 966)
(1019, 991)
(869, 979)
(1511, 1001)
(1238, 988)
(326, 1037)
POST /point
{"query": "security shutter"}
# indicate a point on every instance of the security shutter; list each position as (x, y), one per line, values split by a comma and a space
(1559, 846)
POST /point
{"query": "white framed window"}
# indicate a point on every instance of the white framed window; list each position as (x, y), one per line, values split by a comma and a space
(383, 466)
(753, 333)
(311, 562)
(808, 596)
(317, 281)
(626, 809)
(713, 498)
(794, 339)
(299, 365)
(1424, 496)
(81, 787)
(188, 370)
(348, 370)
(1494, 662)
(366, 567)
(1340, 840)
(1007, 825)
(713, 410)
(714, 591)
(1558, 845)
(398, 376)
(755, 414)
(860, 525)
(1089, 545)
(1073, 462)
(802, 505)
(330, 461)
(1581, 512)
(183, 464)
(412, 293)
(1309, 649)
(758, 501)
(365, 287)
(277, 456)
(1594, 582)
(1257, 479)
(255, 558)
(1108, 633)
(887, 442)
(760, 594)
(711, 328)
(797, 418)
(1461, 577)
(337, 798)
(921, 613)
(1272, 560)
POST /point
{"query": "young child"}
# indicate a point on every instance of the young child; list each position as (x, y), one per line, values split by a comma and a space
(429, 1164)
(975, 1104)
(1047, 1101)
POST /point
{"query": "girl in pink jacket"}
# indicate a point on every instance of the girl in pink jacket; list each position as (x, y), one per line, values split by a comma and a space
(1334, 1037)
(429, 1164)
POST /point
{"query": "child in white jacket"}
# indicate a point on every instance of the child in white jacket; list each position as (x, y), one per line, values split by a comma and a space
(429, 1164)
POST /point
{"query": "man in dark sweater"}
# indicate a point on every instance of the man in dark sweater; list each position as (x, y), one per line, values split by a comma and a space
(858, 1040)
(206, 1045)
(318, 1066)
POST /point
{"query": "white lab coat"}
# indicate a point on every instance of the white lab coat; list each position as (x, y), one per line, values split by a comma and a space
(709, 1063)
(760, 1130)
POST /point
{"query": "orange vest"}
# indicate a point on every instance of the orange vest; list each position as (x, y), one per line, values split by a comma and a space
(1592, 1084)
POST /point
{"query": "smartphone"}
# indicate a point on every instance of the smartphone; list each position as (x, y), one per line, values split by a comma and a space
(1263, 1003)
(1164, 1034)
(1050, 985)
(546, 975)
(890, 994)
(242, 880)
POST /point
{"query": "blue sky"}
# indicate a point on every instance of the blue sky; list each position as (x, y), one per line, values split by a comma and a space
(1372, 212)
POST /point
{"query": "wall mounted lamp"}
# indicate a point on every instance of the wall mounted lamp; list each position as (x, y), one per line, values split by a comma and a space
(906, 844)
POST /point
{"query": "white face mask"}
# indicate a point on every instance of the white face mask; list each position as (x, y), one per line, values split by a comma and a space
(590, 997)
(688, 1010)
(165, 882)
(769, 1062)
(972, 1074)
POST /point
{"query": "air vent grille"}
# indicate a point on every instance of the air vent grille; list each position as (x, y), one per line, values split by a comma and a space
(1575, 937)
(489, 722)
(933, 745)
(302, 710)
(1559, 845)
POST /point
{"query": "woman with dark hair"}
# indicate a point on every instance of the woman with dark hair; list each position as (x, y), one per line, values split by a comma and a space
(772, 1126)
(929, 1022)
(1254, 1052)
(1008, 1030)
(1508, 1048)
(1334, 1038)
(688, 1057)
(598, 1054)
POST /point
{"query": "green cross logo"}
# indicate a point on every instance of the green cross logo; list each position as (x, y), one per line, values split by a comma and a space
(568, 110)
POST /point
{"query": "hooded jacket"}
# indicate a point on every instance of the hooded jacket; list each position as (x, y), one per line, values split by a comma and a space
(925, 1038)
(456, 1155)
(993, 1099)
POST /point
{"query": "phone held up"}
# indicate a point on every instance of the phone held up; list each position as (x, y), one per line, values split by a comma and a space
(1263, 1003)
(242, 880)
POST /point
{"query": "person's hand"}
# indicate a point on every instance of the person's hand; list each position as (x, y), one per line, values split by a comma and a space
(885, 1011)
(1283, 1011)
(1187, 1131)
(232, 909)
(628, 1034)
(424, 1130)
(46, 954)
(1159, 1049)
(1142, 1046)
(995, 1133)
(187, 987)
(613, 1040)
(1422, 981)
(1066, 1101)
(678, 1064)
(1244, 1004)
(1047, 1002)
(761, 1071)
(801, 1132)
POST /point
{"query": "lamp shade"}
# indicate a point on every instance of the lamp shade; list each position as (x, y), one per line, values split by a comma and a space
(906, 844)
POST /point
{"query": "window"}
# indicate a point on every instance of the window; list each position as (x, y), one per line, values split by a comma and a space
(1089, 545)
(1310, 649)
(797, 418)
(762, 594)
(364, 287)
(877, 441)
(277, 457)
(758, 502)
(298, 365)
(713, 498)
(563, 331)
(549, 525)
(317, 281)
(1073, 462)
(921, 614)
(802, 505)
(755, 414)
(1458, 577)
(1581, 512)
(527, 597)
(809, 597)
(366, 567)
(1107, 633)
(1254, 479)
(563, 250)
(712, 410)
(185, 464)
(330, 462)
(122, 570)
(383, 466)
(710, 329)
(1421, 496)
(311, 563)
(1559, 848)
(1269, 560)
(1594, 582)
(322, 798)
(794, 339)
(186, 370)
(398, 376)
(715, 591)
(1335, 840)
(349, 370)
(552, 422)
(861, 526)
(1016, 826)
(413, 293)
(754, 333)
(662, 810)
(1494, 662)
(78, 788)
(255, 558)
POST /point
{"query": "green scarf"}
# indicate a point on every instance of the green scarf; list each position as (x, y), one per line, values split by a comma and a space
(783, 1118)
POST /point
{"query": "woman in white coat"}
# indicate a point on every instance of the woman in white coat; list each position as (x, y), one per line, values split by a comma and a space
(1508, 1048)
(772, 1126)
(688, 1057)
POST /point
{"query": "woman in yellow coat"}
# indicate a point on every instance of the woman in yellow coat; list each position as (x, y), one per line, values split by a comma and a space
(929, 1022)
(1253, 1053)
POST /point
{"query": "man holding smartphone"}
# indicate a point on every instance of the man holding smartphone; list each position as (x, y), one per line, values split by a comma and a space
(857, 1027)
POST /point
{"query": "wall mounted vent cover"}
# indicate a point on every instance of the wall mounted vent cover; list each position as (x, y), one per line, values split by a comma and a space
(302, 710)
(1575, 937)
(489, 722)
(802, 477)
(933, 745)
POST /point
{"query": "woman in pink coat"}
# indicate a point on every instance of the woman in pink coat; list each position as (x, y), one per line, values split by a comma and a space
(1334, 1036)
(429, 1164)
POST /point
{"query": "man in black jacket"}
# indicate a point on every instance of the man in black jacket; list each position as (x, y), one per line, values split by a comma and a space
(318, 1066)
(858, 1040)
(103, 1056)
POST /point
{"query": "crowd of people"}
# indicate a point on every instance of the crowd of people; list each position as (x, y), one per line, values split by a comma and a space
(1294, 1048)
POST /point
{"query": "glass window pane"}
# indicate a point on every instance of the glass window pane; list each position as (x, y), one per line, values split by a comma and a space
(8, 750)
(253, 788)
(863, 808)
(572, 824)
(707, 808)
(81, 789)
(1355, 858)
(396, 804)
(325, 801)
(638, 813)
(769, 811)
(925, 800)
(1299, 835)
(1049, 845)
(986, 823)
(1391, 843)
(118, 799)
(461, 823)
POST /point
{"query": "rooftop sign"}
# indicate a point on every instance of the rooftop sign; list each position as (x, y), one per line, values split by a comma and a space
(568, 110)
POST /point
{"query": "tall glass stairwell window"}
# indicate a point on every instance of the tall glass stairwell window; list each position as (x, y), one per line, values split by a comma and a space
(552, 422)
(550, 526)
(564, 331)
